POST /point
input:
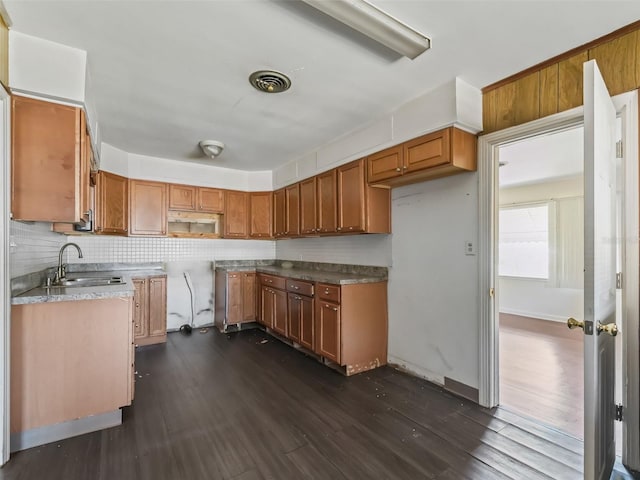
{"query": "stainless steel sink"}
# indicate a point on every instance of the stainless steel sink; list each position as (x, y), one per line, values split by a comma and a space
(89, 282)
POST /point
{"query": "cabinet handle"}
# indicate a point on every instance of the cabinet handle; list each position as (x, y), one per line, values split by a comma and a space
(339, 228)
(398, 169)
(137, 306)
(126, 229)
(350, 228)
(286, 233)
(405, 167)
(137, 325)
(326, 291)
(295, 287)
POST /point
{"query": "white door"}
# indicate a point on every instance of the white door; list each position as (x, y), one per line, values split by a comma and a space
(599, 275)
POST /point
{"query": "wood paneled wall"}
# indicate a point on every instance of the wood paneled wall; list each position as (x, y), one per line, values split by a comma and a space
(556, 84)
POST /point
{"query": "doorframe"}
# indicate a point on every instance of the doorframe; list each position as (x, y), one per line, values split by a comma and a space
(488, 145)
(5, 278)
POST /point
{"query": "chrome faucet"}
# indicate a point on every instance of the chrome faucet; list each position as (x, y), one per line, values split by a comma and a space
(61, 272)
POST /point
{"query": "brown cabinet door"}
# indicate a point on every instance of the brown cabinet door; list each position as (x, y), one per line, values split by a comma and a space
(385, 164)
(147, 208)
(248, 296)
(292, 200)
(210, 200)
(45, 161)
(140, 302)
(307, 326)
(294, 321)
(236, 215)
(157, 306)
(308, 214)
(267, 305)
(112, 204)
(428, 151)
(328, 330)
(280, 312)
(351, 197)
(234, 298)
(182, 197)
(327, 202)
(279, 213)
(261, 212)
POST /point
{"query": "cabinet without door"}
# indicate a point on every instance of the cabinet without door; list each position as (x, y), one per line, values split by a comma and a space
(150, 310)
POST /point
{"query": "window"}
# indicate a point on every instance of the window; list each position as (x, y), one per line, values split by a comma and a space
(524, 241)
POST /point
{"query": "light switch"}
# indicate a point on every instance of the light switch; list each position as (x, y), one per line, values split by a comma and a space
(469, 247)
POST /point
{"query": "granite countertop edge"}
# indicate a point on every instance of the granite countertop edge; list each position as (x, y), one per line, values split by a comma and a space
(336, 278)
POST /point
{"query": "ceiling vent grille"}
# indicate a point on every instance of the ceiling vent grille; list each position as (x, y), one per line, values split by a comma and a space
(269, 81)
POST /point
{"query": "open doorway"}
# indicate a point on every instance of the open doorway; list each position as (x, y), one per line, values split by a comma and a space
(540, 278)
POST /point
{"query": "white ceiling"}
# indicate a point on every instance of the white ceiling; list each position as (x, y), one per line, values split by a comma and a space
(167, 74)
(542, 158)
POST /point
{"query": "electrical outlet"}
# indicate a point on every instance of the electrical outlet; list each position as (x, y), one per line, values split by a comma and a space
(469, 247)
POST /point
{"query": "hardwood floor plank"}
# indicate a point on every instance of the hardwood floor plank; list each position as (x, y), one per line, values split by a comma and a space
(232, 406)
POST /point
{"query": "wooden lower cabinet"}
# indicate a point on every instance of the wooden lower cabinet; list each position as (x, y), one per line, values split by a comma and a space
(77, 366)
(235, 298)
(351, 325)
(328, 330)
(150, 310)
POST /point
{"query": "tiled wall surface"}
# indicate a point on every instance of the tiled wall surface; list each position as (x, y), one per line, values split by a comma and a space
(100, 249)
(33, 247)
(374, 250)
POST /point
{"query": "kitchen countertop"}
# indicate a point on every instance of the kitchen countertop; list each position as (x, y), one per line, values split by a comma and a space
(313, 274)
(42, 294)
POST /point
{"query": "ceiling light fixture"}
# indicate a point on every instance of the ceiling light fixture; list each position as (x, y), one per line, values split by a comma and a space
(211, 148)
(376, 24)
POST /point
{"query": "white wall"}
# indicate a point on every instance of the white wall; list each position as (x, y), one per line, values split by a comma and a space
(373, 250)
(433, 288)
(533, 297)
(454, 103)
(145, 167)
(46, 68)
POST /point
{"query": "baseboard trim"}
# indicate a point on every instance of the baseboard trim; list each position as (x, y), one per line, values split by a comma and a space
(59, 431)
(461, 389)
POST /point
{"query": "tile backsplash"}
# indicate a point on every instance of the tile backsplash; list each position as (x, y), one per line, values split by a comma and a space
(33, 247)
(100, 249)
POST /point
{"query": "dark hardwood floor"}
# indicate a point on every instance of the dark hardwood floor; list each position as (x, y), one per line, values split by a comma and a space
(244, 406)
(541, 371)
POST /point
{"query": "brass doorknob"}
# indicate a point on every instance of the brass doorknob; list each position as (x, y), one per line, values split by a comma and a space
(610, 328)
(573, 323)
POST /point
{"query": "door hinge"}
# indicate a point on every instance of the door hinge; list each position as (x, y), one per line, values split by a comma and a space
(619, 280)
(618, 149)
(619, 409)
(492, 292)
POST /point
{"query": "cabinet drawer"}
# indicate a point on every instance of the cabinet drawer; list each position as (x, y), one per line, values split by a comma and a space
(273, 281)
(330, 293)
(299, 287)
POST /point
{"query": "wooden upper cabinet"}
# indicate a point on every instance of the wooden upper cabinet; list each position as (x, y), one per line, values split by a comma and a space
(327, 202)
(260, 213)
(236, 215)
(279, 213)
(308, 212)
(47, 153)
(147, 208)
(182, 197)
(112, 204)
(430, 156)
(385, 164)
(292, 204)
(210, 200)
(196, 199)
(361, 208)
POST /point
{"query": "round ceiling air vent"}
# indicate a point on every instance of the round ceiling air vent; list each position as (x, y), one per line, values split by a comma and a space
(269, 81)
